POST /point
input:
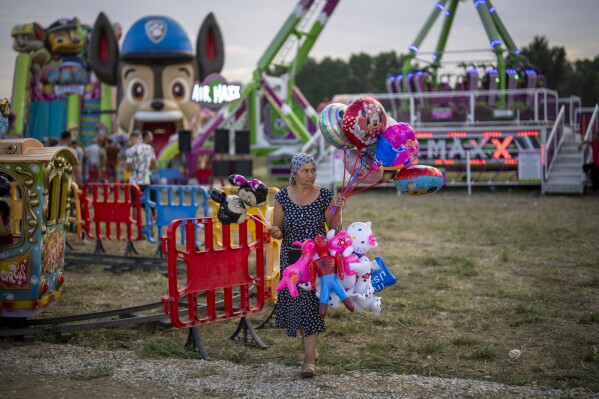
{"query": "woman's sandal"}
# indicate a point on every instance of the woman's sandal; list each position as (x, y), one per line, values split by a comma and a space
(309, 370)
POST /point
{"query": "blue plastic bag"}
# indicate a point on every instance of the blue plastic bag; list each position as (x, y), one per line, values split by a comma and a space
(382, 278)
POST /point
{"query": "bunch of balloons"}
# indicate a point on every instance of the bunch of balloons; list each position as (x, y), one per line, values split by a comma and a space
(374, 143)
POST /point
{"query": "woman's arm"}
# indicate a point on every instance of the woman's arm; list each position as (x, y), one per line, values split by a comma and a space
(334, 221)
(276, 230)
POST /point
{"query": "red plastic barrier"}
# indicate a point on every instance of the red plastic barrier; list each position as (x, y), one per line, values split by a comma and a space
(112, 206)
(222, 274)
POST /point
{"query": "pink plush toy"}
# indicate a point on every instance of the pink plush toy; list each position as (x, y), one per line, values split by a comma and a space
(298, 272)
(330, 270)
(342, 242)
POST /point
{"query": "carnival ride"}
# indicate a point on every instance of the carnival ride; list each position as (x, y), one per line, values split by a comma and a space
(31, 263)
(496, 123)
(271, 105)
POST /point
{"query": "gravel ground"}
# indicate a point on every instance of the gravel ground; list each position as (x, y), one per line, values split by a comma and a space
(42, 370)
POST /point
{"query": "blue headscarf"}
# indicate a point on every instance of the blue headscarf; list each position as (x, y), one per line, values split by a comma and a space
(297, 161)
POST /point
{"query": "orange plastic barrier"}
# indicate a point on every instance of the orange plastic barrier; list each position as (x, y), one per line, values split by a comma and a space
(113, 212)
(225, 276)
(272, 248)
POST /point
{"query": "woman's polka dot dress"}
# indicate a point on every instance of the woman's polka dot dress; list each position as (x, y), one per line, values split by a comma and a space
(299, 224)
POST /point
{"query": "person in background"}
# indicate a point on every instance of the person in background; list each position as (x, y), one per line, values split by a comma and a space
(113, 152)
(140, 160)
(66, 138)
(79, 152)
(6, 236)
(300, 212)
(591, 170)
(148, 138)
(96, 157)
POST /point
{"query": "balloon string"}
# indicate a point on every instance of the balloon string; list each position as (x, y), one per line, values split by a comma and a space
(256, 218)
(263, 217)
(370, 186)
(354, 177)
(350, 184)
(344, 166)
(353, 169)
(361, 180)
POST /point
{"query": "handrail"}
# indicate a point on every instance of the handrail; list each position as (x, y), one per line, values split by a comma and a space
(554, 141)
(543, 99)
(574, 105)
(587, 154)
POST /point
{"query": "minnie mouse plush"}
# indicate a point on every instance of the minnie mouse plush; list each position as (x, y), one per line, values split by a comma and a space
(252, 193)
(231, 209)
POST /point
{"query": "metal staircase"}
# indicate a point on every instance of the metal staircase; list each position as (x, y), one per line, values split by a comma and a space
(566, 176)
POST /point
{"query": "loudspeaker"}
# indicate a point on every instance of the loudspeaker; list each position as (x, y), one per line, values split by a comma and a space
(184, 141)
(242, 142)
(221, 168)
(242, 167)
(221, 141)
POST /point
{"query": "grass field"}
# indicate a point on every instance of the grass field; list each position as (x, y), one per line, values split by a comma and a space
(477, 277)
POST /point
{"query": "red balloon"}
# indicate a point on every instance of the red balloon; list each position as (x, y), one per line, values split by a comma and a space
(363, 121)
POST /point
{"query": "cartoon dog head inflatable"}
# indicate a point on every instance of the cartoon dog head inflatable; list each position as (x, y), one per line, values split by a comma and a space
(28, 37)
(64, 37)
(155, 71)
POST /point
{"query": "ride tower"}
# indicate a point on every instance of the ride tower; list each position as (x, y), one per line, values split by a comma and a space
(495, 124)
(279, 118)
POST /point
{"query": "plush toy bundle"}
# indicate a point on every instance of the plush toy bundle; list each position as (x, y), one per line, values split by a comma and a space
(348, 277)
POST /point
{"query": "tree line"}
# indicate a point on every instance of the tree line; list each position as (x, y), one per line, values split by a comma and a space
(364, 73)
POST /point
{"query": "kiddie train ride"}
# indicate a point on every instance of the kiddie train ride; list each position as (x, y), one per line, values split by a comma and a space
(35, 181)
(496, 124)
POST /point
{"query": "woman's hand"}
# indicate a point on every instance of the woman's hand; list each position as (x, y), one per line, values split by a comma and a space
(275, 232)
(340, 202)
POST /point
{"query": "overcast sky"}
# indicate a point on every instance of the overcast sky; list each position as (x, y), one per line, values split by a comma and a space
(372, 26)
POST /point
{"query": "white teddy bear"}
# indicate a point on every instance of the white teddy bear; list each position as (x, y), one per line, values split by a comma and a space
(363, 240)
(362, 293)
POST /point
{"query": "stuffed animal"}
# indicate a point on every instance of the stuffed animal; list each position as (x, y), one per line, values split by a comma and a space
(330, 270)
(362, 293)
(342, 242)
(253, 193)
(363, 240)
(231, 209)
(297, 272)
